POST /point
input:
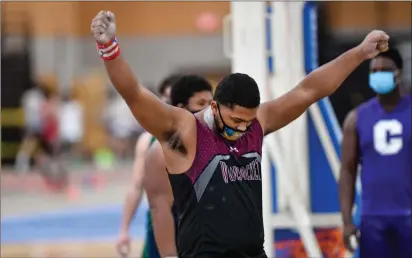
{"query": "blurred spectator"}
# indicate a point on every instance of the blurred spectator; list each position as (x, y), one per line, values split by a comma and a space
(48, 158)
(41, 140)
(71, 126)
(50, 122)
(122, 127)
(32, 102)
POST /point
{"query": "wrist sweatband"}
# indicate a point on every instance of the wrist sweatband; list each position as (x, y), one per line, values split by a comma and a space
(108, 51)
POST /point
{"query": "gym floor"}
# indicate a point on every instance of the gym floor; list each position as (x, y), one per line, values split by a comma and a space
(81, 224)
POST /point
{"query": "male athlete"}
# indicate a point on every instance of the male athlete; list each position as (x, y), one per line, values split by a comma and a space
(192, 93)
(135, 192)
(377, 135)
(213, 157)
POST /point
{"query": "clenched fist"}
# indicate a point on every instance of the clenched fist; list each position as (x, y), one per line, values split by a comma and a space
(103, 27)
(123, 245)
(374, 43)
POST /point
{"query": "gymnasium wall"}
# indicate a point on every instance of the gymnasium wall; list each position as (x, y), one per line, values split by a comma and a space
(162, 37)
(349, 19)
(157, 37)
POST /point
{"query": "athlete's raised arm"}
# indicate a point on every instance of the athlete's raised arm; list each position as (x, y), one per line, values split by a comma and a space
(320, 83)
(348, 172)
(160, 197)
(156, 117)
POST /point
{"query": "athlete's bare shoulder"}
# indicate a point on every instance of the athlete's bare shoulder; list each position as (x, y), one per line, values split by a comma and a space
(349, 128)
(156, 149)
(155, 154)
(145, 137)
(350, 120)
(143, 143)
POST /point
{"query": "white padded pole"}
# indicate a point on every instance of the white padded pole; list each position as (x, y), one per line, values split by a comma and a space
(249, 56)
(288, 60)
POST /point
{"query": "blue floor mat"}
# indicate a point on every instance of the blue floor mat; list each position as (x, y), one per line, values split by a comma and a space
(79, 225)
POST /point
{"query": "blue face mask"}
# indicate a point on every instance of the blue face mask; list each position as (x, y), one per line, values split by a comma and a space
(382, 82)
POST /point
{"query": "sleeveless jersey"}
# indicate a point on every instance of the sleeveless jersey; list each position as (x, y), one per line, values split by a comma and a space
(385, 145)
(219, 199)
(152, 141)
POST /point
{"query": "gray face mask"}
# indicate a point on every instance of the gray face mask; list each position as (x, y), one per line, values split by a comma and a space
(209, 118)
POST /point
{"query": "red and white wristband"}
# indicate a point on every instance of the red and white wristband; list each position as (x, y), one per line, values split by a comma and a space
(108, 51)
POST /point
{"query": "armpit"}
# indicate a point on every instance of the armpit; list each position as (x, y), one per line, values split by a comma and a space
(175, 142)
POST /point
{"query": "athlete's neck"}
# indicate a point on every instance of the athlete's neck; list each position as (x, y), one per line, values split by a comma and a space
(391, 99)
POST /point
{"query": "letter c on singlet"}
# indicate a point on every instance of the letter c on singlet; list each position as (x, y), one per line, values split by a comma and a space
(387, 137)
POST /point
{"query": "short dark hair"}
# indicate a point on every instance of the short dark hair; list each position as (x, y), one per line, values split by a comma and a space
(186, 87)
(394, 55)
(168, 82)
(238, 89)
